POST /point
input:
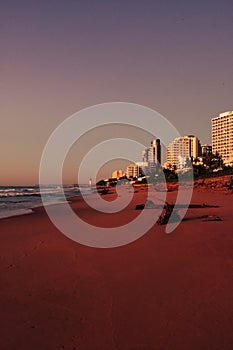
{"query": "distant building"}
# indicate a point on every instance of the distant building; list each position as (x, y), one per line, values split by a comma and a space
(222, 136)
(132, 170)
(143, 168)
(145, 156)
(152, 156)
(117, 174)
(154, 152)
(206, 149)
(182, 150)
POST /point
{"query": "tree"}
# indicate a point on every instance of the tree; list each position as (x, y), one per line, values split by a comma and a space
(212, 161)
(101, 183)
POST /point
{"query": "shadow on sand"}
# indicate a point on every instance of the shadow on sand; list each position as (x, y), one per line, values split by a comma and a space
(168, 210)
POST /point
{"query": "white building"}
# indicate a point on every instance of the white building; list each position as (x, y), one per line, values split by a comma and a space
(222, 136)
(152, 156)
(143, 168)
(132, 170)
(117, 174)
(182, 150)
(154, 152)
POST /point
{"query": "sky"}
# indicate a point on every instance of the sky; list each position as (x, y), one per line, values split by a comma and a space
(57, 57)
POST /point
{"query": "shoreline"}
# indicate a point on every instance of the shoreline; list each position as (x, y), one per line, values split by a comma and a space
(211, 184)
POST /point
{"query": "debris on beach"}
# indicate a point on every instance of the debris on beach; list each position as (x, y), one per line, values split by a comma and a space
(168, 210)
(140, 206)
(211, 218)
(104, 191)
(166, 214)
(148, 205)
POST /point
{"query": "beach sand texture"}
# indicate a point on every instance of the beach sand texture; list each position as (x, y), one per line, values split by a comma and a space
(161, 292)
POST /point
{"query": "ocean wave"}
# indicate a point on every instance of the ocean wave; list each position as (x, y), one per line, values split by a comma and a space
(10, 213)
(15, 192)
(15, 200)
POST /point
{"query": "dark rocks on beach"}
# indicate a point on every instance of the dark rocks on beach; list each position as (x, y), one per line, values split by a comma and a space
(148, 205)
(140, 206)
(104, 191)
(211, 218)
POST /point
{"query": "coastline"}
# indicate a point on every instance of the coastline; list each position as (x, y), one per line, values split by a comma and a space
(162, 291)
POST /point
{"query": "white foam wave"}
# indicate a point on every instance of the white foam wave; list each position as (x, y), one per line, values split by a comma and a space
(10, 213)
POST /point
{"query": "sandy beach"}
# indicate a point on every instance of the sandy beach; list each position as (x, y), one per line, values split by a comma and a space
(161, 292)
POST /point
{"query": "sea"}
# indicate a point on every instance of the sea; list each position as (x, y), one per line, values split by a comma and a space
(20, 200)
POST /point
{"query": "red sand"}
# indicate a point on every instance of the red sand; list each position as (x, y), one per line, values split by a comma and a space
(161, 292)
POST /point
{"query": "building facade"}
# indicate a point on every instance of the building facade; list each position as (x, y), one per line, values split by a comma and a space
(182, 150)
(132, 170)
(222, 136)
(117, 174)
(152, 156)
(206, 149)
(154, 152)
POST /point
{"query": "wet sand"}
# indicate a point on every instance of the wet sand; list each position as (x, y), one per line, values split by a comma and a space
(163, 291)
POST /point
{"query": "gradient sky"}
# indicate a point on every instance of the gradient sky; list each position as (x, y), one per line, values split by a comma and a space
(57, 57)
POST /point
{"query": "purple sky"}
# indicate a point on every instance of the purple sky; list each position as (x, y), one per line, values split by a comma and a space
(60, 56)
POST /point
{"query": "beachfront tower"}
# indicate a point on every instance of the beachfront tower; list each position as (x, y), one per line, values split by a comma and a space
(222, 136)
(182, 149)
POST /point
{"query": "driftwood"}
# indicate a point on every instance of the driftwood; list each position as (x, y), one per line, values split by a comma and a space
(148, 205)
(104, 191)
(211, 218)
(166, 214)
(168, 211)
(140, 206)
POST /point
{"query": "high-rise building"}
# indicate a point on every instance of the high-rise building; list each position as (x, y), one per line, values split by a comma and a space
(117, 174)
(152, 156)
(181, 150)
(222, 136)
(206, 149)
(143, 168)
(154, 152)
(132, 170)
(145, 155)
